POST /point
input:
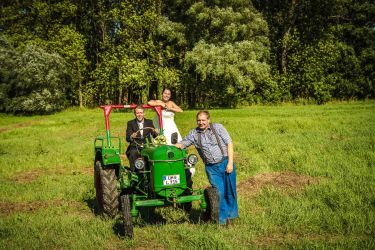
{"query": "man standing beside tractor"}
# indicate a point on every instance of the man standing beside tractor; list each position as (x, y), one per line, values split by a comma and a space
(215, 147)
(137, 131)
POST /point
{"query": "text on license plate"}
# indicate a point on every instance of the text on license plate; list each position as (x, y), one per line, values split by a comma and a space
(171, 179)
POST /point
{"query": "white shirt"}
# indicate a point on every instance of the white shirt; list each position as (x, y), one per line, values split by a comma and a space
(140, 126)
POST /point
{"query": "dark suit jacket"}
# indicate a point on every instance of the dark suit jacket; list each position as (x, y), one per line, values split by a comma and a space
(132, 127)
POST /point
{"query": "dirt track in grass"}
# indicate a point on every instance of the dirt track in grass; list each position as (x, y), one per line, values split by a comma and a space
(33, 174)
(289, 181)
(19, 125)
(8, 208)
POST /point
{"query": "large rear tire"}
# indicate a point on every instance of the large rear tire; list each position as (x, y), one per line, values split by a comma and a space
(107, 195)
(212, 210)
(126, 216)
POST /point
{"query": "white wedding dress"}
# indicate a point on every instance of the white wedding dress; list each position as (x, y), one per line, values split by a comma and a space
(169, 126)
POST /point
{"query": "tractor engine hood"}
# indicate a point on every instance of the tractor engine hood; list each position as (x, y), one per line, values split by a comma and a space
(163, 153)
(167, 166)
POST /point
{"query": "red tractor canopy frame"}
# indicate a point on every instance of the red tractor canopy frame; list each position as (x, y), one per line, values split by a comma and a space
(108, 108)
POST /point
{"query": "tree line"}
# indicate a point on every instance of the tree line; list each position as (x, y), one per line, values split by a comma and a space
(211, 53)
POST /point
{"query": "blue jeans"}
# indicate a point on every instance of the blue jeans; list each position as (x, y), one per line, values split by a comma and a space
(226, 186)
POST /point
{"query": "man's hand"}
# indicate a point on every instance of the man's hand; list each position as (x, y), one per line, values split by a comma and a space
(134, 135)
(229, 168)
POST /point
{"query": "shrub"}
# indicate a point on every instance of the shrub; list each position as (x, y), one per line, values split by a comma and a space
(32, 81)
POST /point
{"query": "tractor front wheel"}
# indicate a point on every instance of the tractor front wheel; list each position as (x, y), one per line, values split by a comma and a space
(212, 199)
(107, 195)
(126, 215)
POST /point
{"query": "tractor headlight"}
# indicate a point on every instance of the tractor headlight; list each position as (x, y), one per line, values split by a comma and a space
(192, 159)
(139, 163)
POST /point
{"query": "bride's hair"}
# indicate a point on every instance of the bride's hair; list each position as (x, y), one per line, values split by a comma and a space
(166, 88)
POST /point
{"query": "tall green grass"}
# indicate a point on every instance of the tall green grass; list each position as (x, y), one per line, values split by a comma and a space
(47, 193)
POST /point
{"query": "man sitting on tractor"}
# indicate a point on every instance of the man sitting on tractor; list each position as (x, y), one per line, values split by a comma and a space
(137, 131)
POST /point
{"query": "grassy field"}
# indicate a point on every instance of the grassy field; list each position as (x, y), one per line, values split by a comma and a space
(306, 179)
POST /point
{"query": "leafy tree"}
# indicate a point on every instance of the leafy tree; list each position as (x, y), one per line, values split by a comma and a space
(353, 24)
(140, 52)
(70, 44)
(230, 58)
(367, 64)
(210, 52)
(32, 81)
(325, 70)
(127, 54)
(342, 29)
(234, 70)
(49, 25)
(8, 76)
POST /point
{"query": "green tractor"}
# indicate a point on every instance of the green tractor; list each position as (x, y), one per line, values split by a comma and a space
(160, 179)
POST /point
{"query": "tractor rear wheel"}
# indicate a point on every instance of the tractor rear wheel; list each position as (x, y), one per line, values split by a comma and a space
(126, 216)
(212, 199)
(107, 196)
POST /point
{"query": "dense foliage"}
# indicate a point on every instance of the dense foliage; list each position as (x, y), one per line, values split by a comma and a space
(211, 53)
(34, 81)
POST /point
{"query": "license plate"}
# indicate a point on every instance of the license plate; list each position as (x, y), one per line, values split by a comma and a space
(171, 179)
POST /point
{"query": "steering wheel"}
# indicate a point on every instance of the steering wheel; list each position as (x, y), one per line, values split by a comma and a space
(138, 137)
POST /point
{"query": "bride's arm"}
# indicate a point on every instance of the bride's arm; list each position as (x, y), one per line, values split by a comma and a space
(173, 107)
(157, 103)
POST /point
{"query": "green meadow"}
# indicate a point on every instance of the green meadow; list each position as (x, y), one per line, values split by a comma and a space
(305, 179)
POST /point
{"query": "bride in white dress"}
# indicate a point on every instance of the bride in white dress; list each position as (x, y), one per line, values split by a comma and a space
(170, 108)
(169, 125)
